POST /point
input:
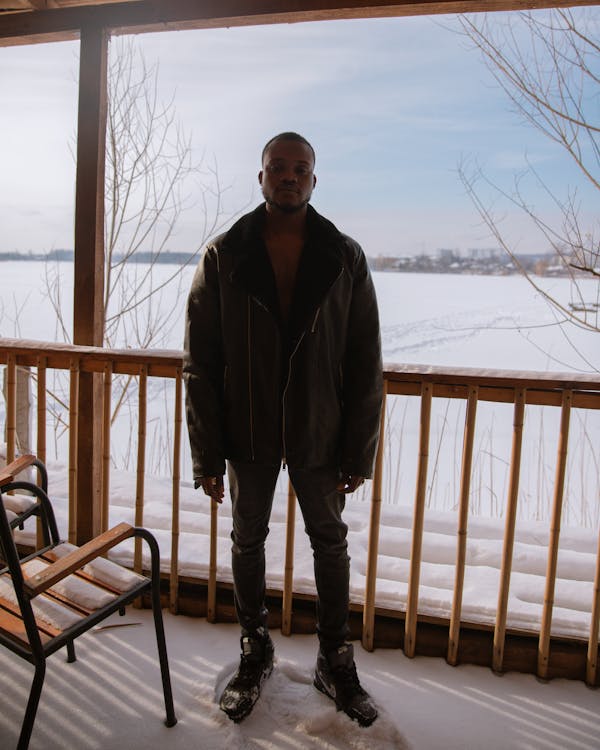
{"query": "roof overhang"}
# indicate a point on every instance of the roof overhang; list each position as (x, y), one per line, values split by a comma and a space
(29, 21)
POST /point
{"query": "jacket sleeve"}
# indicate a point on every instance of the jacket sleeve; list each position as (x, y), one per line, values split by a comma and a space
(203, 369)
(362, 375)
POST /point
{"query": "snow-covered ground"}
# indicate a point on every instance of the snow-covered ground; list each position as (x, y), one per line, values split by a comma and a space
(111, 699)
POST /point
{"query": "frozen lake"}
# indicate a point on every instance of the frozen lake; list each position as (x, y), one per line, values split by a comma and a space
(435, 319)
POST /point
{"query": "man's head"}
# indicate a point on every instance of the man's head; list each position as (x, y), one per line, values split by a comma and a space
(287, 178)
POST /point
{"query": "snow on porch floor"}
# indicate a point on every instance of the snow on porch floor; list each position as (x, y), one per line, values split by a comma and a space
(111, 698)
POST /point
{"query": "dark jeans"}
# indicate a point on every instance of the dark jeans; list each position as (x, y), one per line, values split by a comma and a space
(252, 489)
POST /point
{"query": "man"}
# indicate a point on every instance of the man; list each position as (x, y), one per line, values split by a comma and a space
(283, 368)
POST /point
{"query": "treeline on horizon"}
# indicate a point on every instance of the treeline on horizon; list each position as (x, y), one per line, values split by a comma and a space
(497, 263)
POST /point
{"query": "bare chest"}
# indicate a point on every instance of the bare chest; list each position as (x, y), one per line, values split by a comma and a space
(285, 258)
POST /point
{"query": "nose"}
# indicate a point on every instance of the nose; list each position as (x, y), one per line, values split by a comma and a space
(289, 175)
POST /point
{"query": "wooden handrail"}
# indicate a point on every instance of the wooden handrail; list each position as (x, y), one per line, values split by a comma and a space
(64, 566)
(565, 391)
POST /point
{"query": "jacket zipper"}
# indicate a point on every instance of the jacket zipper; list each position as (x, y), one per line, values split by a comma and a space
(250, 408)
(287, 382)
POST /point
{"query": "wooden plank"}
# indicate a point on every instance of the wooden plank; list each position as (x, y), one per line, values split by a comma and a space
(591, 669)
(412, 601)
(41, 408)
(12, 625)
(178, 420)
(288, 573)
(463, 513)
(11, 408)
(73, 449)
(88, 269)
(509, 531)
(68, 564)
(368, 634)
(141, 464)
(559, 487)
(106, 423)
(14, 468)
(211, 610)
(448, 382)
(161, 15)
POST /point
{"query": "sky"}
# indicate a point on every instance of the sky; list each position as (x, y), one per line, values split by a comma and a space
(392, 107)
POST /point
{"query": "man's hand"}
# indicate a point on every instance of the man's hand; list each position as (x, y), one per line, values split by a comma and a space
(213, 487)
(349, 483)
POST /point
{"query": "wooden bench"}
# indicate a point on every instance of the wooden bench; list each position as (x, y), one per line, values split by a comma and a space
(51, 596)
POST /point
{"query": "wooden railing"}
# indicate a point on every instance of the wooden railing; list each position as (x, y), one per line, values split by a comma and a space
(520, 389)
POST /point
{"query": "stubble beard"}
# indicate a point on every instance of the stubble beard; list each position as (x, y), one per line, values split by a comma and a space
(287, 208)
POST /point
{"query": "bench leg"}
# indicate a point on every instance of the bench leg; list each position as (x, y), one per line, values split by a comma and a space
(171, 719)
(32, 705)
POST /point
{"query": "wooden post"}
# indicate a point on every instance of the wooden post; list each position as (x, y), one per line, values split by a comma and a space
(463, 513)
(368, 631)
(410, 632)
(88, 304)
(174, 578)
(288, 575)
(559, 486)
(509, 531)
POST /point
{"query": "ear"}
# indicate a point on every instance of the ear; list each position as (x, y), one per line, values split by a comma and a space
(314, 181)
(260, 176)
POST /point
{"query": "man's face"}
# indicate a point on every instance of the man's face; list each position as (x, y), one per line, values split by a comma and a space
(287, 177)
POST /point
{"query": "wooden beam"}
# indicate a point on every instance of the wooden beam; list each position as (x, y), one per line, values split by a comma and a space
(156, 15)
(88, 302)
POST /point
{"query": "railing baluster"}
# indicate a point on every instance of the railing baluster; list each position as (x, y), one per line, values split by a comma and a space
(41, 430)
(559, 487)
(591, 669)
(509, 531)
(73, 436)
(174, 577)
(11, 408)
(106, 420)
(41, 409)
(463, 513)
(141, 462)
(412, 603)
(368, 631)
(211, 603)
(288, 576)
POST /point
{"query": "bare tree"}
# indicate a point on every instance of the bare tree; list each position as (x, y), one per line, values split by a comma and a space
(548, 64)
(152, 179)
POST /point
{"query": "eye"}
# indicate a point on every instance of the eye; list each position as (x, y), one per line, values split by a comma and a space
(274, 168)
(302, 171)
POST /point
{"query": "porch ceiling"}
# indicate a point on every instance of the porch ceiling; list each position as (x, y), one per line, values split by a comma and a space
(27, 21)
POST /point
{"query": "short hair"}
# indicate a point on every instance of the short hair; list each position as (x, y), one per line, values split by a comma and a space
(287, 136)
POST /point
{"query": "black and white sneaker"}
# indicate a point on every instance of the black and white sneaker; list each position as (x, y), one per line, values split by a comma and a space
(256, 664)
(335, 675)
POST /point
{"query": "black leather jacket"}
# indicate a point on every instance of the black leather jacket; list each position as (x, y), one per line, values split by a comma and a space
(309, 392)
